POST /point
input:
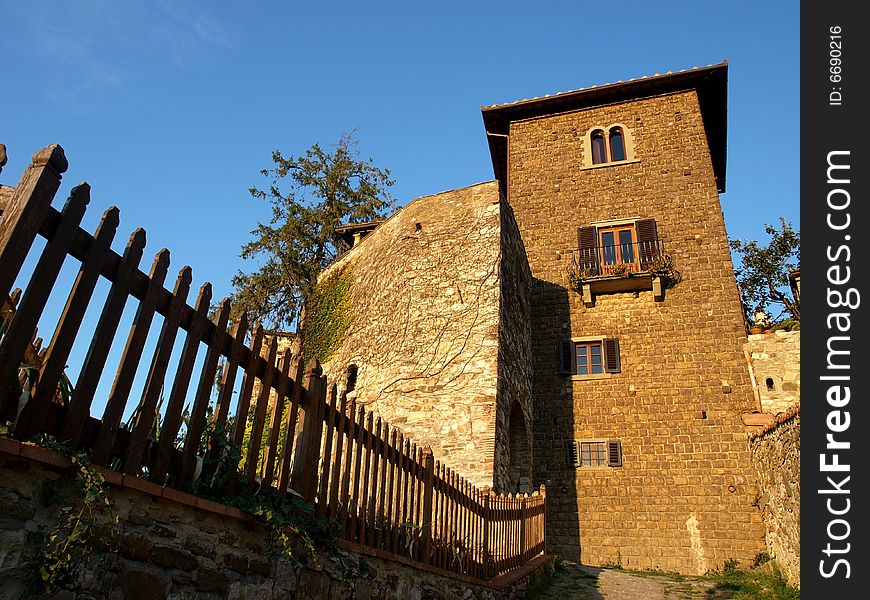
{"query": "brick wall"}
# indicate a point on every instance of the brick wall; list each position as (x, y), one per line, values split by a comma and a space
(683, 498)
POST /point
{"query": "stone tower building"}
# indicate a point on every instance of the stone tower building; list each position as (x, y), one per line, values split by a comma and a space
(576, 323)
(639, 380)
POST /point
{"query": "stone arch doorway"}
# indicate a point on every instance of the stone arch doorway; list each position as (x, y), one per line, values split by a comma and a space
(519, 451)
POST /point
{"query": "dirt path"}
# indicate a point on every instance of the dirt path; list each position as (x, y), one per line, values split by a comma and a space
(578, 582)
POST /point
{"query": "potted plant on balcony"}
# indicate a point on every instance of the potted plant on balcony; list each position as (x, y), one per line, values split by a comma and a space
(576, 275)
(760, 321)
(661, 264)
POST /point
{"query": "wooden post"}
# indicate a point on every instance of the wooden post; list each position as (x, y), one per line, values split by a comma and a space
(105, 445)
(25, 211)
(486, 519)
(101, 342)
(308, 444)
(544, 524)
(428, 484)
(30, 308)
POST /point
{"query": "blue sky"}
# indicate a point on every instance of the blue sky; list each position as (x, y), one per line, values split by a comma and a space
(169, 108)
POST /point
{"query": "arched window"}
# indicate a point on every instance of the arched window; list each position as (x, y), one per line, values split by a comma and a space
(606, 145)
(617, 144)
(599, 151)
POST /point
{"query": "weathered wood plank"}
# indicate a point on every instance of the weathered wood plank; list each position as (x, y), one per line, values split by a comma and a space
(129, 362)
(203, 394)
(17, 338)
(101, 342)
(252, 466)
(146, 411)
(75, 308)
(172, 417)
(290, 426)
(275, 423)
(26, 210)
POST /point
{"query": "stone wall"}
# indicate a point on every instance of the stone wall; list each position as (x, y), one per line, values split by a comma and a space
(426, 323)
(776, 454)
(683, 498)
(775, 360)
(171, 549)
(514, 448)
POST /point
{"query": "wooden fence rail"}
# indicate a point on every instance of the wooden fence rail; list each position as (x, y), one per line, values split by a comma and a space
(303, 437)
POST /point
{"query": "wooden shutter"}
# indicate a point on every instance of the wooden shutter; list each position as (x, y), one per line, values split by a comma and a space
(566, 357)
(587, 240)
(647, 241)
(612, 363)
(574, 454)
(614, 453)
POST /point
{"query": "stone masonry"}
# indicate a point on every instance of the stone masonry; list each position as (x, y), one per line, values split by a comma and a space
(439, 331)
(683, 498)
(776, 453)
(776, 368)
(169, 549)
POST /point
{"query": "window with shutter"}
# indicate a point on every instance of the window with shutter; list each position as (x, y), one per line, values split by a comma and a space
(573, 454)
(647, 242)
(589, 357)
(587, 240)
(614, 453)
(595, 453)
(566, 357)
(612, 363)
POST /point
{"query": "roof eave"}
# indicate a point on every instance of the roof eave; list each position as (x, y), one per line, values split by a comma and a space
(711, 83)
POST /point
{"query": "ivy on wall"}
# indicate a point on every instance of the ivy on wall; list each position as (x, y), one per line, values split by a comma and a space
(327, 316)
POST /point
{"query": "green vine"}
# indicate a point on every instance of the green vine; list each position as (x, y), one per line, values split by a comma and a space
(287, 520)
(327, 316)
(85, 526)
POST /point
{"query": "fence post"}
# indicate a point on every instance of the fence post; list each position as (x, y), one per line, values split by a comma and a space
(523, 546)
(486, 518)
(26, 209)
(428, 487)
(543, 490)
(308, 444)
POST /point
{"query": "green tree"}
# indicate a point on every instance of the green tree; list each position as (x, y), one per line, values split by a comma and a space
(763, 273)
(311, 195)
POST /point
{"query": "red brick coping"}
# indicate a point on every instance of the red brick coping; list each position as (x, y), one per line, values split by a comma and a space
(54, 459)
(778, 420)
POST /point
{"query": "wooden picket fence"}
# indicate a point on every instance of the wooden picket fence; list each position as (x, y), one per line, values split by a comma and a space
(304, 439)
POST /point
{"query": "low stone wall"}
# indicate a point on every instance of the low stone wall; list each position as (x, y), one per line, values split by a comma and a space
(775, 362)
(776, 454)
(190, 548)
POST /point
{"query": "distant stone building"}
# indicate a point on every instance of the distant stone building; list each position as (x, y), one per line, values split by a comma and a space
(576, 323)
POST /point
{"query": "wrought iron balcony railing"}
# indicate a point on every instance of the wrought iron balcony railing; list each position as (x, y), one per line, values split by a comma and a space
(618, 260)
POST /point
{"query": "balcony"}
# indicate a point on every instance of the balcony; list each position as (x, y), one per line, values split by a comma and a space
(631, 267)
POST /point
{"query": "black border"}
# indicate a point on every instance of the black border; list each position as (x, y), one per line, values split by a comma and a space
(825, 128)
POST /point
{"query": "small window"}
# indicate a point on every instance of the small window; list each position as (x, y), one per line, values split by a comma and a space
(352, 371)
(617, 144)
(605, 145)
(599, 149)
(595, 453)
(593, 357)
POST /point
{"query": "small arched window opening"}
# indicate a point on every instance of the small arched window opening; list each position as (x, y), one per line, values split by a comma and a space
(617, 144)
(599, 149)
(769, 384)
(352, 371)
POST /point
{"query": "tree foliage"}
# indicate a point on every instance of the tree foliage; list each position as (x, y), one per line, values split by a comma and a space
(763, 274)
(311, 195)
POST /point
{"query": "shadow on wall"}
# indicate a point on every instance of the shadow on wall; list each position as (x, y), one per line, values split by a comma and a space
(553, 418)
